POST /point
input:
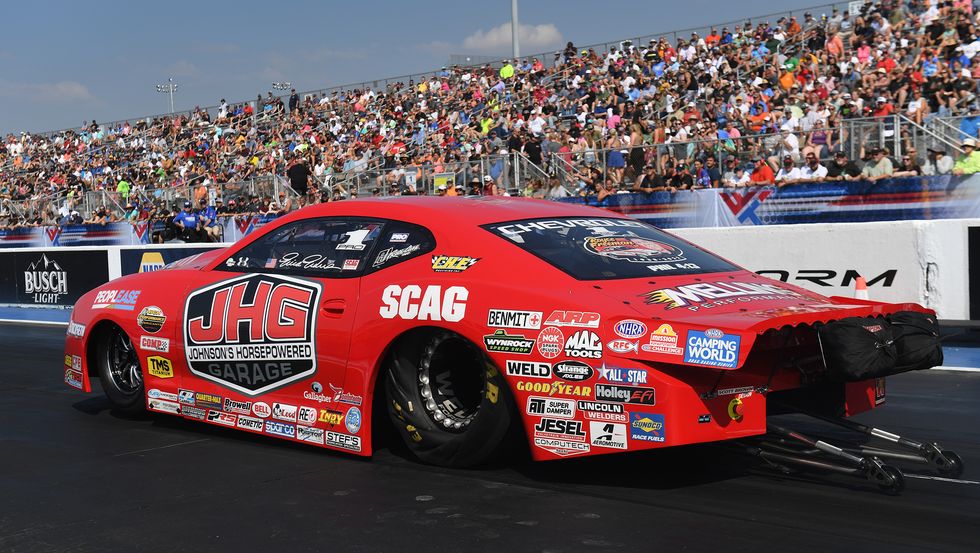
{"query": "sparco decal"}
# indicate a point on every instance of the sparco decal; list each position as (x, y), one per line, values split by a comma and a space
(277, 428)
(578, 319)
(574, 371)
(551, 407)
(45, 280)
(151, 319)
(626, 394)
(502, 342)
(706, 295)
(412, 303)
(550, 342)
(253, 333)
(584, 343)
(501, 318)
(528, 369)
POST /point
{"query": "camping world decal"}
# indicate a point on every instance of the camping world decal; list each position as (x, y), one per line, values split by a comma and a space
(253, 333)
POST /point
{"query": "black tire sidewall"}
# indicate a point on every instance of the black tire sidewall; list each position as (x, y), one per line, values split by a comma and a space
(129, 402)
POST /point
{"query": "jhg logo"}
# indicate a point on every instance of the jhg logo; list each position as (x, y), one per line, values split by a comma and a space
(252, 333)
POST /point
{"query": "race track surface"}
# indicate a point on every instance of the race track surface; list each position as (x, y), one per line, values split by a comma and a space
(76, 476)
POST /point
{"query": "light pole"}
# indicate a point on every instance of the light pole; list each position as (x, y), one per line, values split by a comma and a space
(514, 30)
(168, 88)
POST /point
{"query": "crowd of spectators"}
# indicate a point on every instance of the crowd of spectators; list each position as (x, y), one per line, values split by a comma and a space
(763, 102)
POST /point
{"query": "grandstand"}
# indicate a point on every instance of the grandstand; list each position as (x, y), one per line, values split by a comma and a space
(777, 99)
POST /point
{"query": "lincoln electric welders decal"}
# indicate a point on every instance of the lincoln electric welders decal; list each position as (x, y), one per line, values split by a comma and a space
(252, 333)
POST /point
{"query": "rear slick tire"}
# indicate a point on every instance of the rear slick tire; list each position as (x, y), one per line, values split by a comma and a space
(446, 400)
(120, 372)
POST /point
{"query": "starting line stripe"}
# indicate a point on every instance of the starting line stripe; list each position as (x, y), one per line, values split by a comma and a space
(957, 369)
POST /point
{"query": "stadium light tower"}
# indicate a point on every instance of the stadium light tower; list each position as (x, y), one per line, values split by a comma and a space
(514, 27)
(168, 88)
(284, 85)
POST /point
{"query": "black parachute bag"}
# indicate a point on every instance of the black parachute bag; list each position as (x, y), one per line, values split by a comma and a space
(858, 348)
(917, 343)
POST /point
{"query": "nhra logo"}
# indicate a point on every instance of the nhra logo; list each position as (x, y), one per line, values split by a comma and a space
(253, 333)
(45, 280)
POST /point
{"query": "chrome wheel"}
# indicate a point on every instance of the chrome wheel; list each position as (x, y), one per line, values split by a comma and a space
(123, 364)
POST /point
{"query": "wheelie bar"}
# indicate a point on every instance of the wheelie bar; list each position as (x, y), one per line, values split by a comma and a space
(944, 461)
(822, 455)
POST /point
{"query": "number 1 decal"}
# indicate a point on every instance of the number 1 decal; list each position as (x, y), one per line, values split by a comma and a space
(355, 240)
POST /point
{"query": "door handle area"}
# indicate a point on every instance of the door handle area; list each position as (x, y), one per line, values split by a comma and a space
(334, 307)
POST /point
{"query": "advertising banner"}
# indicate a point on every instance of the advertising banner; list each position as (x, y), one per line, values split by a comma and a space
(53, 278)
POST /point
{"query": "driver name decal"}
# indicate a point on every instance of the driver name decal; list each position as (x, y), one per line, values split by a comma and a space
(253, 333)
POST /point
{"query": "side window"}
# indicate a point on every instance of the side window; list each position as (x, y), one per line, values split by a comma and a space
(322, 248)
(400, 242)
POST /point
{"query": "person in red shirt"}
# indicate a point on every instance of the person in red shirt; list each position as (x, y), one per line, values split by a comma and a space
(762, 174)
(883, 107)
(712, 38)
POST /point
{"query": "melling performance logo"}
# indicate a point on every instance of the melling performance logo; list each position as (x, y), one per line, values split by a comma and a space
(252, 333)
(45, 280)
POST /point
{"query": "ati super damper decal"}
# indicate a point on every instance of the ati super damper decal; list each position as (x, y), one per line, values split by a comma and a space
(253, 333)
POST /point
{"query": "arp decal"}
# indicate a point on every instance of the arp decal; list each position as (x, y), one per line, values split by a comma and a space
(253, 333)
(633, 249)
(580, 319)
(647, 427)
(712, 348)
(704, 295)
(412, 303)
(452, 263)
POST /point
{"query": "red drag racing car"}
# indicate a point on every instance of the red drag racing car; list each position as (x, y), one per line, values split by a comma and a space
(468, 320)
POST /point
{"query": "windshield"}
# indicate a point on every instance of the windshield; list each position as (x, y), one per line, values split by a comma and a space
(589, 248)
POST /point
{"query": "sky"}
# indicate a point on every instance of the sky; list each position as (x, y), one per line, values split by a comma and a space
(64, 62)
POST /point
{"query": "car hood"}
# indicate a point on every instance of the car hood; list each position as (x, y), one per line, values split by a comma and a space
(739, 305)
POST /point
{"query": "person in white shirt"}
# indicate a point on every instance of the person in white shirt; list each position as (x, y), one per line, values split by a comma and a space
(813, 170)
(787, 174)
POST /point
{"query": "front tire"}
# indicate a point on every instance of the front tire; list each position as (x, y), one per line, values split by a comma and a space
(119, 369)
(446, 399)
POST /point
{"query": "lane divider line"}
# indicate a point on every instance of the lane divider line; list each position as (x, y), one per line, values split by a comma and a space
(29, 322)
(941, 479)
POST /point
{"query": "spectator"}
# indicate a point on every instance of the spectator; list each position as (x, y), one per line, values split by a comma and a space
(188, 224)
(842, 169)
(788, 174)
(878, 167)
(762, 173)
(682, 178)
(209, 221)
(907, 167)
(299, 176)
(937, 162)
(489, 186)
(650, 181)
(813, 170)
(969, 162)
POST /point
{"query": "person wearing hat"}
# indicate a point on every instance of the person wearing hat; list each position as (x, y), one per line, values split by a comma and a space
(489, 186)
(762, 173)
(441, 190)
(187, 223)
(878, 167)
(842, 169)
(788, 173)
(938, 162)
(969, 162)
(209, 220)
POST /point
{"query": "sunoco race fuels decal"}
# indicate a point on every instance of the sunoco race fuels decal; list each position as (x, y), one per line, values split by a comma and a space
(252, 333)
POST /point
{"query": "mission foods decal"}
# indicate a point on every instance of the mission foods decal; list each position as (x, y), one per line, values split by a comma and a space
(253, 333)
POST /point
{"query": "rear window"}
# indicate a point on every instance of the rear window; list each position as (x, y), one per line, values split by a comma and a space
(603, 249)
